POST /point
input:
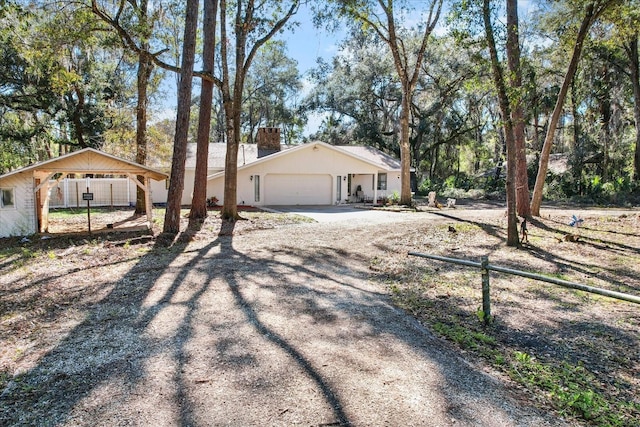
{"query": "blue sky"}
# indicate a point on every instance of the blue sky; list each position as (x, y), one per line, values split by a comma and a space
(306, 44)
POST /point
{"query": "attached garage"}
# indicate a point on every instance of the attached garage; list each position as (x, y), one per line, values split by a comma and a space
(314, 173)
(297, 189)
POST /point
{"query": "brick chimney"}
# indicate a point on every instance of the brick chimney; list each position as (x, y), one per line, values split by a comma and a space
(268, 140)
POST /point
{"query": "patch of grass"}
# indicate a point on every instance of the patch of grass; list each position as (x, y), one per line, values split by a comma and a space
(464, 227)
(280, 217)
(466, 338)
(412, 300)
(582, 372)
(569, 388)
(572, 389)
(5, 377)
(29, 253)
(63, 213)
(22, 256)
(7, 252)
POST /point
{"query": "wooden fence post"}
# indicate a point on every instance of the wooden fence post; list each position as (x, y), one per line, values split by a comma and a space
(486, 299)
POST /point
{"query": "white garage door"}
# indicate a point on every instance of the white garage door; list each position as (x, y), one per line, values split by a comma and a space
(289, 189)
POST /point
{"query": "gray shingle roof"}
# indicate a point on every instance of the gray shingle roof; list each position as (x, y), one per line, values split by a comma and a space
(373, 155)
(248, 153)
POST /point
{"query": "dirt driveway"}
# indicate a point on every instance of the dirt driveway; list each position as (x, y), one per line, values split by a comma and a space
(343, 213)
(264, 327)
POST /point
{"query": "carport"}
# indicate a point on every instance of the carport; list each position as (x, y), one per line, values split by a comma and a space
(30, 186)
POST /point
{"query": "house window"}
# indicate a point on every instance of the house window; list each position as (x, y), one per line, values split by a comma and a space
(6, 198)
(256, 187)
(382, 181)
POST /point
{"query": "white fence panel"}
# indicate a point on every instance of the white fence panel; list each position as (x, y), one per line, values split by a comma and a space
(106, 192)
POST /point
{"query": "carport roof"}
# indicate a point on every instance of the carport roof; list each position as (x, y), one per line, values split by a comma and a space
(90, 161)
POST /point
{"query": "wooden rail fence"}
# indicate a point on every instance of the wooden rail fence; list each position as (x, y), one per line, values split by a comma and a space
(485, 267)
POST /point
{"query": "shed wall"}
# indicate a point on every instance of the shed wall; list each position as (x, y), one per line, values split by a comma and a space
(19, 220)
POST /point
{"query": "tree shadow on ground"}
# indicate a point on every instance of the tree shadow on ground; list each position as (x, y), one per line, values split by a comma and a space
(598, 243)
(137, 344)
(490, 229)
(605, 349)
(621, 277)
(112, 343)
(599, 230)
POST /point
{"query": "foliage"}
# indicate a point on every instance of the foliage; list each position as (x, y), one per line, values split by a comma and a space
(571, 388)
(394, 199)
(367, 109)
(65, 80)
(63, 83)
(271, 88)
(455, 130)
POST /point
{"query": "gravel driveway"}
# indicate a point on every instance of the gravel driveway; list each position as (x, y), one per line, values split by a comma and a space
(342, 213)
(277, 327)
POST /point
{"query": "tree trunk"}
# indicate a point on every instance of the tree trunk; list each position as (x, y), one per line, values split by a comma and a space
(632, 52)
(77, 119)
(405, 152)
(199, 201)
(503, 100)
(604, 100)
(535, 110)
(244, 23)
(233, 105)
(145, 68)
(176, 185)
(230, 205)
(517, 114)
(557, 111)
(408, 75)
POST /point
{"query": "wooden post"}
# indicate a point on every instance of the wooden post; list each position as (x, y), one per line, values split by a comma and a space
(111, 193)
(486, 299)
(147, 202)
(88, 213)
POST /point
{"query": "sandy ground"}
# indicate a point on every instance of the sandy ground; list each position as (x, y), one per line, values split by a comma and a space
(274, 327)
(268, 325)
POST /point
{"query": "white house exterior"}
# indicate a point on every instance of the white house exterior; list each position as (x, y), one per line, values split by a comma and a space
(26, 193)
(17, 205)
(247, 153)
(313, 174)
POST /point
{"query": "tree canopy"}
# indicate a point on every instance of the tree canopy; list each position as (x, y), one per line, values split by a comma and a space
(73, 73)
